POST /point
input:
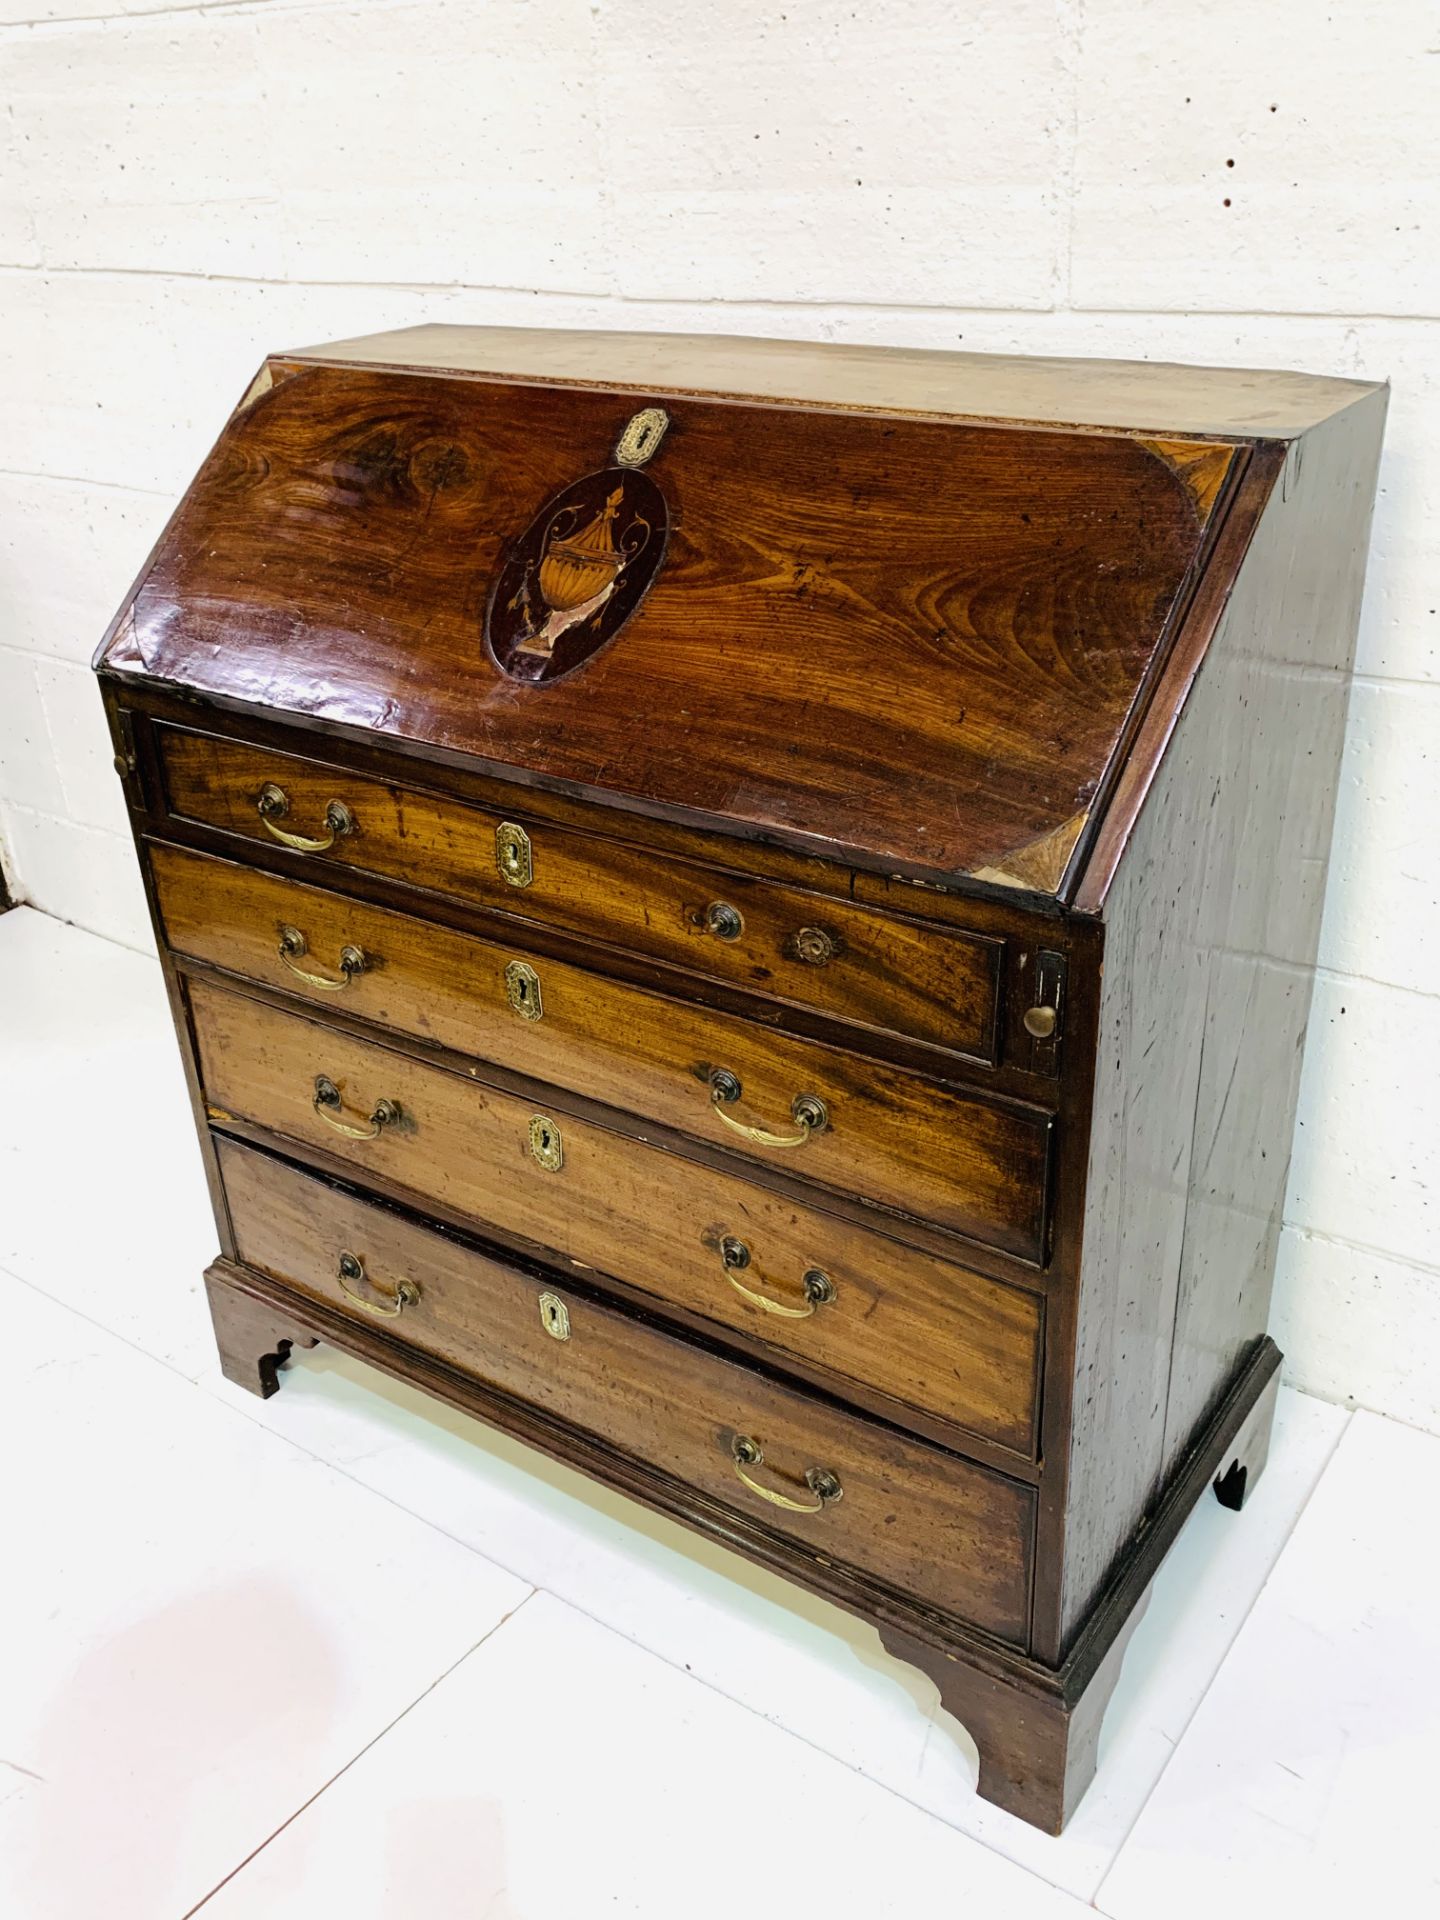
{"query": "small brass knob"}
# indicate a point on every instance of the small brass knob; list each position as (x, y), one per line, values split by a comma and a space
(1040, 1022)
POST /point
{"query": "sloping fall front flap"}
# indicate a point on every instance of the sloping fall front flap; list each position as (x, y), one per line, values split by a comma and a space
(907, 643)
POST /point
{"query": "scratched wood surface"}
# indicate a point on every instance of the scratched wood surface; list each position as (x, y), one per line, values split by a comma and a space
(843, 596)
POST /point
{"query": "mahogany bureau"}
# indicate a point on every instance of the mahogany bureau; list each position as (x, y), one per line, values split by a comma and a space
(745, 912)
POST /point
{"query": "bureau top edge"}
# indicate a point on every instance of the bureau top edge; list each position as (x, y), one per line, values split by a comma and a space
(1123, 396)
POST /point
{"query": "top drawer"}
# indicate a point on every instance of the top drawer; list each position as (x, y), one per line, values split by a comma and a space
(849, 962)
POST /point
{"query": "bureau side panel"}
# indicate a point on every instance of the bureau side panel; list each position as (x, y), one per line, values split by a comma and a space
(1212, 928)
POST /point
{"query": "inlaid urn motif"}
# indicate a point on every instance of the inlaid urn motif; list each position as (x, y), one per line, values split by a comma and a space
(582, 567)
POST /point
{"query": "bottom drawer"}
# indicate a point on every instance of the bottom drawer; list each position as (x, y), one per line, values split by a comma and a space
(907, 1514)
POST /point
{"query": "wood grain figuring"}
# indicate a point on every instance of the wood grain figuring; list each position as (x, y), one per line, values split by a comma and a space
(886, 972)
(891, 1136)
(922, 1330)
(1211, 933)
(909, 1515)
(842, 596)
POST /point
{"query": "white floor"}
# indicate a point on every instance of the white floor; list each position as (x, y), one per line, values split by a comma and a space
(344, 1652)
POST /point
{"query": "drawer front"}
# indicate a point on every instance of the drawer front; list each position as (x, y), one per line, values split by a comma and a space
(850, 962)
(904, 1512)
(888, 1135)
(930, 1334)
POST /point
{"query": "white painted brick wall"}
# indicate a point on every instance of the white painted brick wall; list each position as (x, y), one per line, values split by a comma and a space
(184, 187)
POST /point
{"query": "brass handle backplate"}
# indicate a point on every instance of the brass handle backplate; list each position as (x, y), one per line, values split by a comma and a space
(807, 1110)
(327, 1104)
(823, 1484)
(723, 920)
(816, 946)
(274, 803)
(816, 1284)
(293, 946)
(352, 1268)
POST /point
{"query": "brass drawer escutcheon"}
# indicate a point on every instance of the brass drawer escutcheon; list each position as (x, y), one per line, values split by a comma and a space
(825, 1485)
(514, 855)
(293, 946)
(522, 990)
(273, 804)
(385, 1113)
(816, 1284)
(807, 1110)
(554, 1316)
(546, 1146)
(352, 1268)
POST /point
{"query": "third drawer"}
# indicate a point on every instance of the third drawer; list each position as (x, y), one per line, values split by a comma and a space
(928, 1333)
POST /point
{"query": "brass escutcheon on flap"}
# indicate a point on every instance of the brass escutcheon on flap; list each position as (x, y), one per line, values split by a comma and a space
(513, 854)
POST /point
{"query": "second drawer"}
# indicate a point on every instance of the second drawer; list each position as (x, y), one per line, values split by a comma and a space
(928, 1333)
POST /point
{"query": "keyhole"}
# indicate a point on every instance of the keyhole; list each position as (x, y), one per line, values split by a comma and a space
(522, 987)
(546, 1146)
(554, 1316)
